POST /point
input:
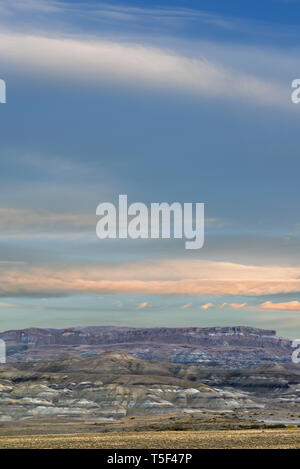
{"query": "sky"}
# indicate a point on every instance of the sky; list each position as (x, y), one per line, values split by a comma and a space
(186, 101)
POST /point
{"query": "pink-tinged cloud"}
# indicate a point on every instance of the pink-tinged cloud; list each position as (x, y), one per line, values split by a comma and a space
(207, 305)
(157, 277)
(143, 305)
(188, 305)
(232, 305)
(237, 305)
(286, 306)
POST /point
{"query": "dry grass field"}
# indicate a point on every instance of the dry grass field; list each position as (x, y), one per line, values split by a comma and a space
(222, 439)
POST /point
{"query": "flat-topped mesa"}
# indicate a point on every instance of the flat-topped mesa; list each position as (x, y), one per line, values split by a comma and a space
(238, 330)
(101, 335)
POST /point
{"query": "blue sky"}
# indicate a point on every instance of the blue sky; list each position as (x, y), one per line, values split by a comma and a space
(163, 101)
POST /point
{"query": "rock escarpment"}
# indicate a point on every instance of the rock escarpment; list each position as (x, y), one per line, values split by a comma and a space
(228, 346)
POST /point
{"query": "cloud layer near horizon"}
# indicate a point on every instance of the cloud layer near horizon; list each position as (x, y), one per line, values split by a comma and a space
(166, 277)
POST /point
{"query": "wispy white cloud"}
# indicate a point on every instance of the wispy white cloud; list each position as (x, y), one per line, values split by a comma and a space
(233, 305)
(161, 18)
(118, 12)
(10, 7)
(22, 221)
(135, 64)
(213, 70)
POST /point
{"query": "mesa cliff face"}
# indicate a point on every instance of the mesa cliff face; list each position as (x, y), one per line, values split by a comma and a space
(112, 335)
(232, 346)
